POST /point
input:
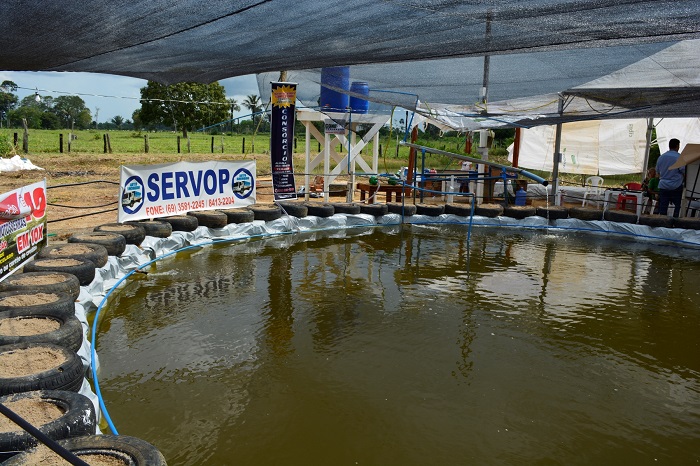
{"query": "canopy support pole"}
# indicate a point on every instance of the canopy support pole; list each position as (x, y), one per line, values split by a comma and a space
(557, 156)
(647, 148)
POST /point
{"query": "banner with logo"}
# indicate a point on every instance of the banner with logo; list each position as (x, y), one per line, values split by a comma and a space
(283, 97)
(151, 191)
(22, 226)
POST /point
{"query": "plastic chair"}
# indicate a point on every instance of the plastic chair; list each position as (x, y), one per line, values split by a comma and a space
(594, 188)
(624, 197)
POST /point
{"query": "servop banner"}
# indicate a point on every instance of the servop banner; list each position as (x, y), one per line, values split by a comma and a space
(22, 226)
(151, 191)
(283, 97)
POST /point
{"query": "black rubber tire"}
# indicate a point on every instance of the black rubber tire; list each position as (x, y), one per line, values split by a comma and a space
(95, 253)
(78, 419)
(238, 215)
(295, 209)
(656, 220)
(689, 223)
(346, 208)
(13, 303)
(43, 282)
(114, 243)
(210, 218)
(489, 210)
(519, 212)
(67, 375)
(317, 209)
(585, 213)
(463, 210)
(266, 212)
(407, 210)
(182, 222)
(133, 234)
(620, 216)
(69, 334)
(130, 450)
(554, 212)
(377, 210)
(431, 210)
(155, 228)
(83, 269)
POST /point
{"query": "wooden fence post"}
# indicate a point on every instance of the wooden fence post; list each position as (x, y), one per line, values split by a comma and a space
(60, 143)
(25, 136)
(243, 149)
(70, 141)
(178, 144)
(104, 140)
(14, 140)
(145, 143)
(212, 144)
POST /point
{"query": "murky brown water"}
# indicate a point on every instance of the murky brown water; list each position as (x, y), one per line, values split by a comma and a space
(398, 348)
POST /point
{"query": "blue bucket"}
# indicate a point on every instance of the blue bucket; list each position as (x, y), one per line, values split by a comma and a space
(357, 104)
(338, 77)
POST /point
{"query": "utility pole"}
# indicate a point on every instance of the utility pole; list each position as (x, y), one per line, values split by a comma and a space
(97, 114)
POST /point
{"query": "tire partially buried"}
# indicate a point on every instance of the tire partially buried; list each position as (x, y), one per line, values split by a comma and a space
(39, 366)
(488, 210)
(129, 450)
(295, 209)
(182, 222)
(431, 210)
(35, 302)
(84, 270)
(407, 210)
(238, 215)
(519, 212)
(133, 234)
(320, 209)
(585, 213)
(154, 228)
(266, 212)
(377, 210)
(42, 282)
(58, 414)
(210, 218)
(95, 253)
(36, 328)
(463, 210)
(554, 212)
(113, 242)
(346, 208)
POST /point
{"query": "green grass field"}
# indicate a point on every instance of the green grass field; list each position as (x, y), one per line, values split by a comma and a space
(237, 145)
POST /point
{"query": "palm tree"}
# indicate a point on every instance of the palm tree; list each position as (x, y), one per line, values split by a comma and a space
(233, 105)
(252, 103)
(118, 121)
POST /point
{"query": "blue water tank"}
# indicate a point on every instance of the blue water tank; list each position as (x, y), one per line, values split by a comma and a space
(520, 197)
(357, 104)
(338, 77)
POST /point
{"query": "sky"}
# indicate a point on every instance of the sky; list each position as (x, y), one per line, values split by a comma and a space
(112, 95)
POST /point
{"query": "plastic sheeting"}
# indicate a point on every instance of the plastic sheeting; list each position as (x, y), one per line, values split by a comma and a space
(598, 147)
(423, 54)
(17, 163)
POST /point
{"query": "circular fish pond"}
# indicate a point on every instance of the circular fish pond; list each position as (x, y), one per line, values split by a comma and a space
(409, 346)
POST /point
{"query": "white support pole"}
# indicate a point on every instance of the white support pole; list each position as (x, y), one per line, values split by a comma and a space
(326, 165)
(557, 156)
(307, 184)
(647, 148)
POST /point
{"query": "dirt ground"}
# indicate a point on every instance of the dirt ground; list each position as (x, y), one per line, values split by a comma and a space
(83, 189)
(70, 199)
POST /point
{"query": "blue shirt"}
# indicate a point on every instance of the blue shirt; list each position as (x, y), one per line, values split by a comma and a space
(669, 179)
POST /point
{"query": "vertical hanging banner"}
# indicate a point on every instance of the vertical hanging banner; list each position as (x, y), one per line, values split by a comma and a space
(22, 226)
(281, 140)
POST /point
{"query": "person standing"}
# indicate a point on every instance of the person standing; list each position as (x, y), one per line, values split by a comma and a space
(670, 180)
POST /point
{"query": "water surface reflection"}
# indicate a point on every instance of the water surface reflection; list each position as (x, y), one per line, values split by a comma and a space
(409, 346)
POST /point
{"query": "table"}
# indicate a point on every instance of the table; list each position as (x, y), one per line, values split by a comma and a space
(638, 194)
(388, 189)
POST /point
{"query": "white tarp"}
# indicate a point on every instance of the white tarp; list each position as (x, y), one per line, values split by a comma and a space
(603, 147)
(686, 130)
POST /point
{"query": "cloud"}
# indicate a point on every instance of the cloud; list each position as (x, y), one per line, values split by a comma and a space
(112, 95)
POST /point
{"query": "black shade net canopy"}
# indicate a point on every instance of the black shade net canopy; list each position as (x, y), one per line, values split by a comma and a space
(548, 60)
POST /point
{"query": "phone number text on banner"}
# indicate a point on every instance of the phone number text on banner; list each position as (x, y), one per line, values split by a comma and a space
(151, 191)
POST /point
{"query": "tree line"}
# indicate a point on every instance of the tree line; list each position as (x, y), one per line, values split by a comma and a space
(178, 107)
